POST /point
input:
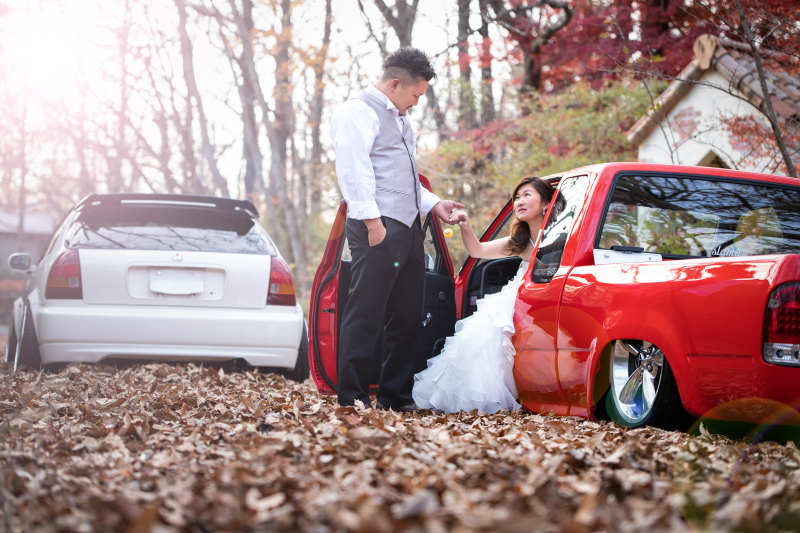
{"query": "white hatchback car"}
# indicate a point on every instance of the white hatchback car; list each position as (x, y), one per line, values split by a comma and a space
(159, 277)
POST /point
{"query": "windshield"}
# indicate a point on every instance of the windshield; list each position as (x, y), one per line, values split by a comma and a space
(168, 228)
(696, 217)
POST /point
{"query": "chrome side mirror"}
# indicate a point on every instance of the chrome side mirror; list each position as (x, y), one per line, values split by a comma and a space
(20, 262)
(429, 265)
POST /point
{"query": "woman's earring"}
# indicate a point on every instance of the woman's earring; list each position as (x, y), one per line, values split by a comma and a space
(544, 211)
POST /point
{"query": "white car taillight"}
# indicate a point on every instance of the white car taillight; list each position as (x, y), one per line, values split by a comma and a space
(782, 328)
(281, 284)
(64, 280)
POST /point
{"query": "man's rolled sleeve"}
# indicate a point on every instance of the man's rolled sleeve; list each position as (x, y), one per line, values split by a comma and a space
(352, 142)
(362, 210)
(428, 201)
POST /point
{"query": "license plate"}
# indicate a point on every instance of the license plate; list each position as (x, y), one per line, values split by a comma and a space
(174, 281)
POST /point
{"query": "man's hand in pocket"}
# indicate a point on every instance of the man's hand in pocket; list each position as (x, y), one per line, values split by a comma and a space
(376, 231)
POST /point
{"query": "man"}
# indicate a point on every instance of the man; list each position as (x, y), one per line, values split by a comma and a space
(377, 172)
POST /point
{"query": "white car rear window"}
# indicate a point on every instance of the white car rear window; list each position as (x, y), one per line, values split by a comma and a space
(168, 228)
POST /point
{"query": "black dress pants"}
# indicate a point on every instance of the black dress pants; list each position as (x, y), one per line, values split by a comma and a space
(387, 287)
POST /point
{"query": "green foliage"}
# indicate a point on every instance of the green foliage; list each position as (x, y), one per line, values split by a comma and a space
(574, 128)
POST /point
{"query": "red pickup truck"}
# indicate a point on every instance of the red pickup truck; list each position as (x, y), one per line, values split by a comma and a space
(655, 293)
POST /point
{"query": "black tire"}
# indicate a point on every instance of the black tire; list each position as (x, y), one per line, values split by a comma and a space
(11, 347)
(301, 370)
(667, 411)
(28, 352)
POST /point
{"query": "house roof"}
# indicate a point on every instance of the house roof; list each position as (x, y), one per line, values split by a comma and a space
(733, 62)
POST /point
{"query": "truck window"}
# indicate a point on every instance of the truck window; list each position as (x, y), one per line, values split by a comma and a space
(694, 217)
(569, 200)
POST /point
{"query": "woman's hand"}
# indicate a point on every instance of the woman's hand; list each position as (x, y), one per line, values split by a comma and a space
(460, 217)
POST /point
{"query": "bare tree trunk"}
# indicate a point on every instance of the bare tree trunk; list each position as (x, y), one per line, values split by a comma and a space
(403, 25)
(776, 130)
(403, 22)
(85, 185)
(191, 179)
(251, 151)
(208, 156)
(487, 98)
(466, 112)
(282, 131)
(117, 180)
(279, 130)
(315, 117)
(163, 153)
(23, 169)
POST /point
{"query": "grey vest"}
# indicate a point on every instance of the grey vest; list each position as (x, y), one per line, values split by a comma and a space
(397, 187)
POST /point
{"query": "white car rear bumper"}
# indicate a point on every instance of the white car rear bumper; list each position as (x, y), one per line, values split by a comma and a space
(74, 331)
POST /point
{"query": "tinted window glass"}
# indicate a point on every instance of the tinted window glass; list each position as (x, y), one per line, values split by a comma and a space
(429, 245)
(569, 200)
(695, 217)
(168, 228)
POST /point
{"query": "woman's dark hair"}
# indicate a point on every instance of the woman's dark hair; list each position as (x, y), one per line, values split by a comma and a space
(409, 65)
(520, 231)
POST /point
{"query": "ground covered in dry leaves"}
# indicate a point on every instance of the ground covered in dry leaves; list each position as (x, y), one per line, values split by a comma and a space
(186, 448)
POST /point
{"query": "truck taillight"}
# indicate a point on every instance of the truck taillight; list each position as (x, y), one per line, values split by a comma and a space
(281, 284)
(782, 329)
(64, 280)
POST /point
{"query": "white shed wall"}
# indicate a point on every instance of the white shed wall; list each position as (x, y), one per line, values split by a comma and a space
(693, 128)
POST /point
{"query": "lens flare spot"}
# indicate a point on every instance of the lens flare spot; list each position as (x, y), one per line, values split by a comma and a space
(328, 224)
(735, 436)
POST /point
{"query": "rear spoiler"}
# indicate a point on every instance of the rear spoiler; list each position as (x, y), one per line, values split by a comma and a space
(222, 204)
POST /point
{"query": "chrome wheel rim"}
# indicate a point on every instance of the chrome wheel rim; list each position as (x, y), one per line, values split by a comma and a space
(635, 380)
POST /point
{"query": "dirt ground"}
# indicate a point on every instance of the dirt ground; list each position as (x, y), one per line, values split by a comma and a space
(168, 448)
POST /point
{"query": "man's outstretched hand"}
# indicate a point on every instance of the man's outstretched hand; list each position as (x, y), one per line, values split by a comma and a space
(444, 210)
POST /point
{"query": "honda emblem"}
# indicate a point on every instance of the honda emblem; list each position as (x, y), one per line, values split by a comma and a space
(177, 256)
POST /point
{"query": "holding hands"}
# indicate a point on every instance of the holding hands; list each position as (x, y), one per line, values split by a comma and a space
(445, 209)
(460, 217)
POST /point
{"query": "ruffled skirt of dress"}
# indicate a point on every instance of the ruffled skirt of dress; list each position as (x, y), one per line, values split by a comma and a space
(474, 369)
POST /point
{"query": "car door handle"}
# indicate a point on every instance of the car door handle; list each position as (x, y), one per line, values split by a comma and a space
(427, 320)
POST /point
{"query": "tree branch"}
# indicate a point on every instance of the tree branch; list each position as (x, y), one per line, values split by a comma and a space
(767, 100)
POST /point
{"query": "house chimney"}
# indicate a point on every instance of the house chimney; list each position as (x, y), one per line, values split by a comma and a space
(704, 48)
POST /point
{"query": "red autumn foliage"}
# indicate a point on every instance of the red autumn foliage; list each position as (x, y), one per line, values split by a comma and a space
(753, 136)
(649, 36)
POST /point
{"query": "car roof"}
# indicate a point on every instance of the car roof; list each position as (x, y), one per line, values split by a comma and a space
(185, 200)
(608, 170)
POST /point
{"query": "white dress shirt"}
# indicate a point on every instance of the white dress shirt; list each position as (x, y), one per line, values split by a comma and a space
(354, 128)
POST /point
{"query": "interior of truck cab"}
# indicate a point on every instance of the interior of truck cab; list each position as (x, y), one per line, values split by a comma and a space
(488, 276)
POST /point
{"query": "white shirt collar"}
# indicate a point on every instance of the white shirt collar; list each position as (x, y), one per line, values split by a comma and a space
(383, 98)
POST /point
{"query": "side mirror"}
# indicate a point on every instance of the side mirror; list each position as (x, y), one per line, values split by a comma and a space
(20, 262)
(429, 264)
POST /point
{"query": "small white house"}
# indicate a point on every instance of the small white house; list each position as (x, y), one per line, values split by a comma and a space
(685, 125)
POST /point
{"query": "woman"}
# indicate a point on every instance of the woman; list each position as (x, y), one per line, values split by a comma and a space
(474, 369)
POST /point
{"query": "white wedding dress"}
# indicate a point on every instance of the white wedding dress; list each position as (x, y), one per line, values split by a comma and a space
(474, 370)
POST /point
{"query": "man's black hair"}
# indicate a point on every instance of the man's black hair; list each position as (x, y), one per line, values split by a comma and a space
(409, 65)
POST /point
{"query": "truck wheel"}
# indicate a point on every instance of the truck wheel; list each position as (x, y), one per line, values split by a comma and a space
(28, 350)
(11, 347)
(301, 369)
(643, 390)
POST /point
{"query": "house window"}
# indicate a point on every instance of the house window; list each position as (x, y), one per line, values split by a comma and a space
(712, 160)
